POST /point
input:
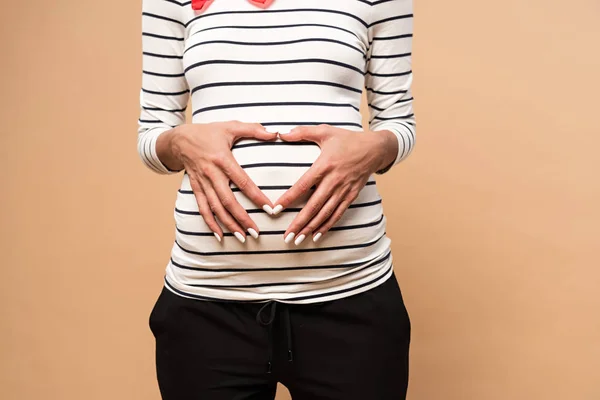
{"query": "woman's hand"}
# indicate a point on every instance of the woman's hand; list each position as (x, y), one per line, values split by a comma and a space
(204, 151)
(347, 160)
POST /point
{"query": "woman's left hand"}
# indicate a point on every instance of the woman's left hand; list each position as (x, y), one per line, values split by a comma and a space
(347, 160)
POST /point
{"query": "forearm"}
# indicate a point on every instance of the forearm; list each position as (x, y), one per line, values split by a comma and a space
(389, 76)
(164, 91)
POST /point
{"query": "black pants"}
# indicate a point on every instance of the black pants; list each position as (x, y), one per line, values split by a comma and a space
(352, 348)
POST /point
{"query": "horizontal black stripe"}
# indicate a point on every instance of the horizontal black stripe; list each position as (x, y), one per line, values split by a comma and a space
(389, 75)
(262, 27)
(374, 3)
(275, 269)
(394, 18)
(268, 187)
(399, 101)
(186, 212)
(275, 83)
(405, 36)
(260, 210)
(388, 56)
(281, 43)
(275, 164)
(295, 10)
(391, 118)
(150, 121)
(147, 14)
(259, 144)
(273, 104)
(273, 233)
(154, 35)
(163, 75)
(357, 226)
(382, 92)
(276, 62)
(285, 251)
(165, 93)
(368, 204)
(235, 189)
(316, 296)
(168, 56)
(312, 123)
(271, 284)
(162, 109)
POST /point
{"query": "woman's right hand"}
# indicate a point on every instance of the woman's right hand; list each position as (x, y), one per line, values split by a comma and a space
(204, 151)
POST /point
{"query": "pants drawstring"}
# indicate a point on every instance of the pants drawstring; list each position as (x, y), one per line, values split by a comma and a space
(288, 332)
(269, 324)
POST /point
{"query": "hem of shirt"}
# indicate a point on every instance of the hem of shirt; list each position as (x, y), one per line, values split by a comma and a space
(335, 295)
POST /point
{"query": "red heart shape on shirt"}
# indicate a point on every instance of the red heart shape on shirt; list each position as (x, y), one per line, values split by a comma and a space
(201, 5)
(261, 3)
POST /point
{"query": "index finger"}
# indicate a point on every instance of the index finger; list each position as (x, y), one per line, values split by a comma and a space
(246, 185)
(243, 130)
(300, 188)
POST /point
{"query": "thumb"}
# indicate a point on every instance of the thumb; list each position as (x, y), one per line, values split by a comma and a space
(251, 130)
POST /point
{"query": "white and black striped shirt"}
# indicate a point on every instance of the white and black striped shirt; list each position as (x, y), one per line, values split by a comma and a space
(299, 62)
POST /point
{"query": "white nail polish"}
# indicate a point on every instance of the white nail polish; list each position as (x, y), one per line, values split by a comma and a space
(268, 209)
(271, 129)
(299, 239)
(289, 237)
(217, 236)
(253, 233)
(317, 237)
(277, 209)
(239, 237)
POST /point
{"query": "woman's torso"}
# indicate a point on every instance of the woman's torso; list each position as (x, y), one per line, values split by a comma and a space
(300, 62)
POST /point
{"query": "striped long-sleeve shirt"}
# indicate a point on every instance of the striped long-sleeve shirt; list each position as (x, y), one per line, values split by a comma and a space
(299, 62)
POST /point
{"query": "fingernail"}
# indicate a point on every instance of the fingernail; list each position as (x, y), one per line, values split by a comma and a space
(268, 209)
(253, 233)
(240, 237)
(270, 129)
(317, 237)
(217, 236)
(289, 237)
(277, 209)
(299, 239)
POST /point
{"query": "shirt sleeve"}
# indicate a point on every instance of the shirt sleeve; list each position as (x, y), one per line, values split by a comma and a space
(389, 75)
(164, 93)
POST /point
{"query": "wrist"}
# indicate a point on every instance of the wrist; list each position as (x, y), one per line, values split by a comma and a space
(175, 138)
(169, 146)
(387, 149)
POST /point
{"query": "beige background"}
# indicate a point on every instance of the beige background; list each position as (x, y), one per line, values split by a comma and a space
(495, 216)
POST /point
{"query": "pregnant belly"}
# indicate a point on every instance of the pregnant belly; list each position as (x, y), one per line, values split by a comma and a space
(274, 167)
